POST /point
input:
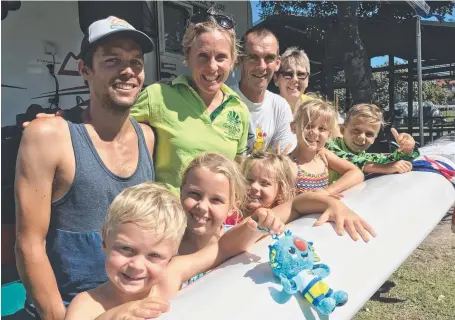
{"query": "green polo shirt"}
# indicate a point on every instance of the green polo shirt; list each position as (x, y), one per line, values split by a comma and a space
(184, 127)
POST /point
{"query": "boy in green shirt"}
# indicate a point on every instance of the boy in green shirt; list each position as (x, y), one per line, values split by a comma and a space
(360, 130)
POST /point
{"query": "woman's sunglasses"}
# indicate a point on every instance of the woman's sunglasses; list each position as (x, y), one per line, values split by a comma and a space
(288, 75)
(222, 20)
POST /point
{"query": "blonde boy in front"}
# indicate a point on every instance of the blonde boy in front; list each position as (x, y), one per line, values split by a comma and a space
(141, 234)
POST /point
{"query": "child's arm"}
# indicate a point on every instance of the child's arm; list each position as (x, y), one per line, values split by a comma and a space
(350, 174)
(406, 143)
(365, 160)
(148, 308)
(244, 235)
(84, 306)
(315, 202)
(401, 166)
(232, 243)
(332, 210)
(397, 162)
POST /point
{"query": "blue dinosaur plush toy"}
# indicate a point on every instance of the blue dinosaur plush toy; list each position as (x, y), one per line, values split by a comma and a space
(292, 260)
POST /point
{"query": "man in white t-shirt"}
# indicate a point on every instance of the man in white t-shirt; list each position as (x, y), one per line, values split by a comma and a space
(270, 113)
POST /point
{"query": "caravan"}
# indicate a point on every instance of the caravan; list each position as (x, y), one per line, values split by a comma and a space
(41, 41)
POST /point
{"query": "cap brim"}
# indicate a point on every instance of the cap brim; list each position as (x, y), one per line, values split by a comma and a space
(143, 40)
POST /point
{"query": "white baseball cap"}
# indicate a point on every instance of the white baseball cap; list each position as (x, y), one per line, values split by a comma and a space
(101, 29)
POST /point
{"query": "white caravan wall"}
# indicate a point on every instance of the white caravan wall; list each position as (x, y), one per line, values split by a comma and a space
(23, 58)
(24, 31)
(24, 62)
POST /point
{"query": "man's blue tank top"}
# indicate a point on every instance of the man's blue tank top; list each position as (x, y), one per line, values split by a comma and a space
(74, 240)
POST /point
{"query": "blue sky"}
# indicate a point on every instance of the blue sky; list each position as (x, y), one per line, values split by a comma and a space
(375, 61)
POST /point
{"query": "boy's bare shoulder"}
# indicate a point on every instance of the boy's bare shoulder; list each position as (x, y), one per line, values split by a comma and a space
(85, 305)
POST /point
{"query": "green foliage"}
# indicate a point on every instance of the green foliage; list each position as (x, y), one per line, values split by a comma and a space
(374, 11)
(431, 90)
(371, 10)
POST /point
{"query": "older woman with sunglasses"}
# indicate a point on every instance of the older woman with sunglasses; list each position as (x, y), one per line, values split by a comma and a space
(292, 80)
(197, 113)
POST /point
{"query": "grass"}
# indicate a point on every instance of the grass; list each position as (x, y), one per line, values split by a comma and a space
(449, 114)
(423, 287)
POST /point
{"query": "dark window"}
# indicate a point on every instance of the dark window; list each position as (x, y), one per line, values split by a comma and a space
(9, 6)
(175, 21)
(136, 13)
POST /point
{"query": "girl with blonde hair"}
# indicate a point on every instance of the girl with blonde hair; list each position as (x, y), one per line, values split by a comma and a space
(313, 123)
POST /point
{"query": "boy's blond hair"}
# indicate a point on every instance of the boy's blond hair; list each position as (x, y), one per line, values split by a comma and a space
(277, 166)
(308, 110)
(369, 113)
(218, 163)
(150, 206)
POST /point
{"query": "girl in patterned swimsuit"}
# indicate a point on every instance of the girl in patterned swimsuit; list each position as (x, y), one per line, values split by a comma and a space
(271, 182)
(313, 120)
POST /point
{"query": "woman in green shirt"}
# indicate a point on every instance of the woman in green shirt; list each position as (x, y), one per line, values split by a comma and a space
(197, 113)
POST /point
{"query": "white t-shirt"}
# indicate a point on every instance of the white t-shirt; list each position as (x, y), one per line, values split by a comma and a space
(269, 122)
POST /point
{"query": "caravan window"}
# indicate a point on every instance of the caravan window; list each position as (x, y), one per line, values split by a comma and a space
(175, 20)
(198, 10)
(137, 13)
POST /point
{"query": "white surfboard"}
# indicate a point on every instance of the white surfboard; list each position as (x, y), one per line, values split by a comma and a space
(403, 209)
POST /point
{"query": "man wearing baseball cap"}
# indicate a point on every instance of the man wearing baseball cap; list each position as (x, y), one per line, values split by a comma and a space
(68, 173)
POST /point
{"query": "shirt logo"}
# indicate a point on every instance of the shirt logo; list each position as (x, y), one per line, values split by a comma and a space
(259, 144)
(233, 125)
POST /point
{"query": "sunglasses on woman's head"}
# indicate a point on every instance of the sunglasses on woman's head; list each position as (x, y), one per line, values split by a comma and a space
(288, 75)
(222, 20)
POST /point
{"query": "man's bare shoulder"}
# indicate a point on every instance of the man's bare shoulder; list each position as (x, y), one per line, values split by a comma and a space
(148, 132)
(149, 136)
(45, 139)
(48, 130)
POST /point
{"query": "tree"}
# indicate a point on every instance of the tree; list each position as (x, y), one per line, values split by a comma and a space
(356, 62)
(431, 90)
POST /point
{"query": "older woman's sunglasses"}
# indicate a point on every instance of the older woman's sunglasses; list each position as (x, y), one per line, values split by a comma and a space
(222, 20)
(288, 75)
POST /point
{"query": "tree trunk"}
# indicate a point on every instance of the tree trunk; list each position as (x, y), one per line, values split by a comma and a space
(356, 63)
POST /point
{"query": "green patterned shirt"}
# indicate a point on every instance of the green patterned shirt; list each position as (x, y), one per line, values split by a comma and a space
(361, 158)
